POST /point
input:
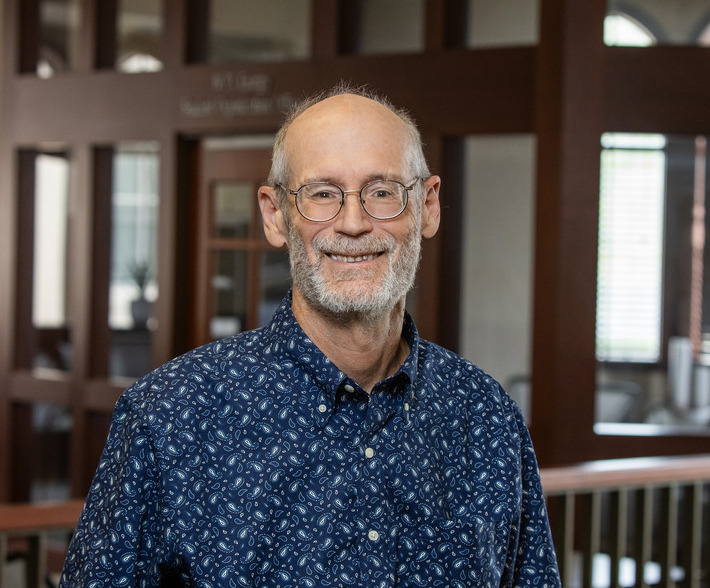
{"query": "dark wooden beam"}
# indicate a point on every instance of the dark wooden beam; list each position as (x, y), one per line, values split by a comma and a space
(569, 118)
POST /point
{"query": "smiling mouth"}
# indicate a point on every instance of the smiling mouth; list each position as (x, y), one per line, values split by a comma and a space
(353, 258)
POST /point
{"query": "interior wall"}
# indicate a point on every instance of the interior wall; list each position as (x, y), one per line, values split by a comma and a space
(497, 261)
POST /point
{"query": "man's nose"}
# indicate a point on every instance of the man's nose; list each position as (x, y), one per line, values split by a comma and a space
(352, 218)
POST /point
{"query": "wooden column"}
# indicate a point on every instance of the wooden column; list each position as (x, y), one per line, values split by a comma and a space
(569, 115)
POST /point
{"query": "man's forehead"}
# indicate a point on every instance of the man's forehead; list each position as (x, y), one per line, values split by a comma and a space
(345, 109)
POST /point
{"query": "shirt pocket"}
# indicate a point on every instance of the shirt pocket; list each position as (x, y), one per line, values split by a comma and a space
(460, 553)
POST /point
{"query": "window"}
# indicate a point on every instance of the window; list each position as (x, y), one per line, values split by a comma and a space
(620, 29)
(630, 262)
(140, 30)
(640, 23)
(48, 344)
(653, 282)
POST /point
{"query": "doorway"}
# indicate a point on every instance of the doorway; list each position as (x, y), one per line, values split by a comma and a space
(240, 277)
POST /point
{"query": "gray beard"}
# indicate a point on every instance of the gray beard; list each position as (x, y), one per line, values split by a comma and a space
(369, 301)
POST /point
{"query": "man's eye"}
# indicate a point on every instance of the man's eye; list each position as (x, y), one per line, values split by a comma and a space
(324, 195)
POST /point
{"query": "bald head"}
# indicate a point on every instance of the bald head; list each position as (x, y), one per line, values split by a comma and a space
(343, 134)
(352, 114)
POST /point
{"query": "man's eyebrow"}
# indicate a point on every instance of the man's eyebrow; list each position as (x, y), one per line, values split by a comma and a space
(333, 180)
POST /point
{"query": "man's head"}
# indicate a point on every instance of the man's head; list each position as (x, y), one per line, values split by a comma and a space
(352, 264)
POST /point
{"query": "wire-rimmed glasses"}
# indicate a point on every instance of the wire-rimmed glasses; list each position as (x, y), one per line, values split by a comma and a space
(322, 201)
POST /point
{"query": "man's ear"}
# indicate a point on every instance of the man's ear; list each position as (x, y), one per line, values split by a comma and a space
(431, 210)
(272, 216)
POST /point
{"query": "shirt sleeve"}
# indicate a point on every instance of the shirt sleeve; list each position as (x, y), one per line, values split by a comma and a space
(535, 559)
(115, 542)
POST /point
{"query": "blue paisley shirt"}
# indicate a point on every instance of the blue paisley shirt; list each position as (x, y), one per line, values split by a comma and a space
(254, 461)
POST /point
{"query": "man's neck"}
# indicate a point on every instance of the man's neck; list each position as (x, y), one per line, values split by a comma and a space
(366, 350)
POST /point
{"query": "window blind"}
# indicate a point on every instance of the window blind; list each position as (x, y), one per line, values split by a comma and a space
(630, 261)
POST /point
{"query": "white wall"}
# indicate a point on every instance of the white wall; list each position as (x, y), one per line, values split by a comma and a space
(497, 260)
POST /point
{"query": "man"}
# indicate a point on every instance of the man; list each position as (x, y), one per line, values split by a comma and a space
(333, 447)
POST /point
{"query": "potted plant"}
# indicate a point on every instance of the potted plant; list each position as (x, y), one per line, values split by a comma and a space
(141, 307)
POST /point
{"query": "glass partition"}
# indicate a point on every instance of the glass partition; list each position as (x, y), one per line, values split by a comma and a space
(497, 260)
(268, 30)
(384, 26)
(133, 289)
(496, 23)
(653, 285)
(58, 42)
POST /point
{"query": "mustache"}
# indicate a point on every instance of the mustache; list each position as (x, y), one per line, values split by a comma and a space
(344, 245)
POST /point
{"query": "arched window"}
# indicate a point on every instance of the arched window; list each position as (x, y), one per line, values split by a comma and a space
(704, 36)
(623, 30)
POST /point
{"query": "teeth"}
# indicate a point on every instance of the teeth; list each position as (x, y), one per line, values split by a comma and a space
(357, 258)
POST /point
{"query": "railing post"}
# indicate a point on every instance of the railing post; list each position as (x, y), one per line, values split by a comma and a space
(619, 527)
(591, 542)
(669, 533)
(644, 532)
(3, 556)
(36, 567)
(691, 553)
(562, 513)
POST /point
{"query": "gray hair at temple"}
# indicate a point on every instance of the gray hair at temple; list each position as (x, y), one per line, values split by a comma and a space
(415, 160)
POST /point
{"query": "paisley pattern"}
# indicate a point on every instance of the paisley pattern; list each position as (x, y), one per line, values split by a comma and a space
(254, 461)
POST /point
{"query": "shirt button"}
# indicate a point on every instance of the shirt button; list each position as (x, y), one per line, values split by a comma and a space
(406, 406)
(370, 452)
(322, 408)
(373, 535)
(349, 389)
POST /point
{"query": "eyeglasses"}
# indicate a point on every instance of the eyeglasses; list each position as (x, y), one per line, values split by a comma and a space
(321, 201)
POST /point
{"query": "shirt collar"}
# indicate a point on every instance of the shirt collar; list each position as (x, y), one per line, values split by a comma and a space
(288, 339)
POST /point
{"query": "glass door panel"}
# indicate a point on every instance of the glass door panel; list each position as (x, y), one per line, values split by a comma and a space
(275, 275)
(50, 321)
(133, 288)
(233, 207)
(59, 36)
(229, 293)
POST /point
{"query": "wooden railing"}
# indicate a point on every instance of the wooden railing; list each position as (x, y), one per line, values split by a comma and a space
(25, 529)
(632, 522)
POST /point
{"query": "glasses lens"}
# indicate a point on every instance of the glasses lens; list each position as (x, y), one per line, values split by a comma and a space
(384, 198)
(318, 201)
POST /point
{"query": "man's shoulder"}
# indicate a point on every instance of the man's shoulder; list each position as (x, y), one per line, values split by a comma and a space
(232, 361)
(439, 360)
(452, 374)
